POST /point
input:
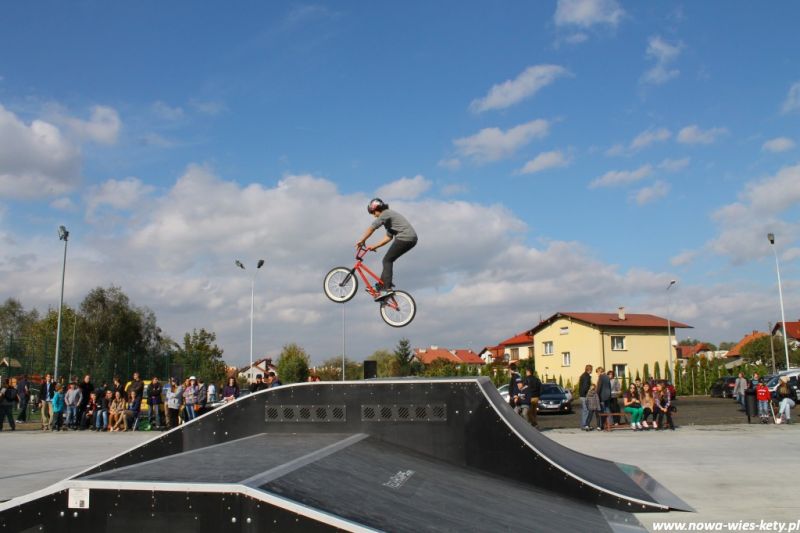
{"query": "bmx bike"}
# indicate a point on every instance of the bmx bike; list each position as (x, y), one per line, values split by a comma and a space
(397, 309)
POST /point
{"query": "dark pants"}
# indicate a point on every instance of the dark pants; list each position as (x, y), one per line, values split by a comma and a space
(614, 406)
(397, 249)
(22, 416)
(155, 415)
(661, 415)
(172, 418)
(5, 412)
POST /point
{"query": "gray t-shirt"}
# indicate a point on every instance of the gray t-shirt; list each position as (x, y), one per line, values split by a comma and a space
(396, 225)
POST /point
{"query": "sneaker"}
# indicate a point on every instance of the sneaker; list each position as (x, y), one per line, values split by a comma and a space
(639, 426)
(646, 426)
(633, 426)
(383, 293)
(598, 428)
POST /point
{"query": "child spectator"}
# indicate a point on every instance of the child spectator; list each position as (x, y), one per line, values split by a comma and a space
(154, 400)
(89, 412)
(73, 399)
(763, 399)
(58, 408)
(192, 407)
(131, 413)
(633, 406)
(174, 397)
(593, 408)
(231, 391)
(663, 404)
(103, 406)
(522, 399)
(115, 414)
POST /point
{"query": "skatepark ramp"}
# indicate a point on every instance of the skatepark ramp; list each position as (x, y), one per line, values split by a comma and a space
(385, 455)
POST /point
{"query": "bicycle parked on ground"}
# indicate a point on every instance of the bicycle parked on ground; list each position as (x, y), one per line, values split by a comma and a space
(398, 309)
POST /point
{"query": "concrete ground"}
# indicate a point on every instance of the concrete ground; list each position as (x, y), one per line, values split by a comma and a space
(727, 473)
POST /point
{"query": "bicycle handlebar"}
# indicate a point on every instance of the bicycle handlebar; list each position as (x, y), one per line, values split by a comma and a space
(362, 251)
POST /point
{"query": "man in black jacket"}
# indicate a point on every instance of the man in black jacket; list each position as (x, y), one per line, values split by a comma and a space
(46, 400)
(604, 391)
(534, 391)
(583, 387)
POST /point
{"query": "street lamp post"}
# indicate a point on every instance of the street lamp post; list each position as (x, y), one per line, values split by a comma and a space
(669, 329)
(771, 237)
(252, 303)
(63, 235)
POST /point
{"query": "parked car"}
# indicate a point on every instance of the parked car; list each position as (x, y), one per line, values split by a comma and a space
(554, 399)
(723, 387)
(503, 390)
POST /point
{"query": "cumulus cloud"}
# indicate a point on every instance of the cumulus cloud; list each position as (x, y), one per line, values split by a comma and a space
(694, 135)
(614, 178)
(405, 188)
(664, 54)
(651, 193)
(792, 101)
(641, 141)
(452, 163)
(492, 144)
(683, 258)
(544, 161)
(117, 194)
(778, 144)
(760, 209)
(64, 203)
(36, 159)
(510, 92)
(103, 125)
(208, 107)
(587, 13)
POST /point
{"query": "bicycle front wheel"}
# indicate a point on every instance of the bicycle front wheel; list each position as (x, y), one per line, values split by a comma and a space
(340, 285)
(399, 309)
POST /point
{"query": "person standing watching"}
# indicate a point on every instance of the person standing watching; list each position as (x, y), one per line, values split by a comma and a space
(583, 388)
(154, 401)
(46, 401)
(604, 391)
(23, 394)
(740, 385)
(8, 397)
(534, 393)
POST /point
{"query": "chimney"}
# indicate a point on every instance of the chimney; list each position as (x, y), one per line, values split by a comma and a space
(621, 313)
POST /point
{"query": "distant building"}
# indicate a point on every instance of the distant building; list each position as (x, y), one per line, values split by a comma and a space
(624, 342)
(518, 347)
(736, 351)
(792, 333)
(259, 368)
(427, 356)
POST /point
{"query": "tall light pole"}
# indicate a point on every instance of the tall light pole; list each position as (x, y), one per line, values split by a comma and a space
(771, 237)
(668, 374)
(252, 302)
(63, 235)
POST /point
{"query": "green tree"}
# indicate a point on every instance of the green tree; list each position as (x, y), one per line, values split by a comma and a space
(440, 367)
(200, 356)
(331, 369)
(646, 372)
(758, 352)
(403, 355)
(726, 345)
(293, 364)
(387, 363)
(656, 371)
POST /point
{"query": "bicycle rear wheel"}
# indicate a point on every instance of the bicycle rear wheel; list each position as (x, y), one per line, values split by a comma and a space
(399, 309)
(340, 285)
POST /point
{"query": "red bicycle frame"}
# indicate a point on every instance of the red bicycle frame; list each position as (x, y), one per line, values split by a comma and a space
(360, 267)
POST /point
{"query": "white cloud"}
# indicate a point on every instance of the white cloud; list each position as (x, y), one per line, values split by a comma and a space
(544, 161)
(674, 165)
(648, 137)
(664, 54)
(36, 160)
(792, 102)
(613, 178)
(450, 163)
(103, 126)
(510, 92)
(454, 189)
(117, 194)
(575, 38)
(778, 144)
(167, 112)
(404, 188)
(683, 258)
(694, 135)
(587, 13)
(491, 144)
(64, 203)
(208, 107)
(761, 208)
(157, 140)
(651, 193)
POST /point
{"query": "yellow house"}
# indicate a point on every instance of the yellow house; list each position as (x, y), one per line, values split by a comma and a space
(566, 342)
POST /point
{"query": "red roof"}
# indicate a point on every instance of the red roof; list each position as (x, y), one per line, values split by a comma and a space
(792, 329)
(522, 338)
(459, 357)
(750, 337)
(631, 320)
(686, 352)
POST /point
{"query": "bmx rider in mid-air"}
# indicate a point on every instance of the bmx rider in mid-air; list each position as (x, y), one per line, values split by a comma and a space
(397, 228)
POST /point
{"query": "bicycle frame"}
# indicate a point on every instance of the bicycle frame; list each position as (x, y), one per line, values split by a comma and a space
(360, 267)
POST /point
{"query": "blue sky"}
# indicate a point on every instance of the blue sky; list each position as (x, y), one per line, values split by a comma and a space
(572, 155)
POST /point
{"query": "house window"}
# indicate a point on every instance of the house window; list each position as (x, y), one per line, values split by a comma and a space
(617, 342)
(514, 353)
(620, 370)
(564, 330)
(565, 359)
(548, 347)
(530, 352)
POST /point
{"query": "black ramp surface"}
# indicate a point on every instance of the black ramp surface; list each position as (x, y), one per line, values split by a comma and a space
(390, 488)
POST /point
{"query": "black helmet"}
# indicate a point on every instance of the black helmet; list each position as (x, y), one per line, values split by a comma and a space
(376, 204)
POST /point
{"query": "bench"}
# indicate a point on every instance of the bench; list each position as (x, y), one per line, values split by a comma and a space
(624, 423)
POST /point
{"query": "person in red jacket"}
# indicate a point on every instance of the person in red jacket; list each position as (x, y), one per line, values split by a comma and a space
(763, 398)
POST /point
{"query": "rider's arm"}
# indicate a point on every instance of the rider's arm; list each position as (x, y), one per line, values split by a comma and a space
(365, 236)
(383, 242)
